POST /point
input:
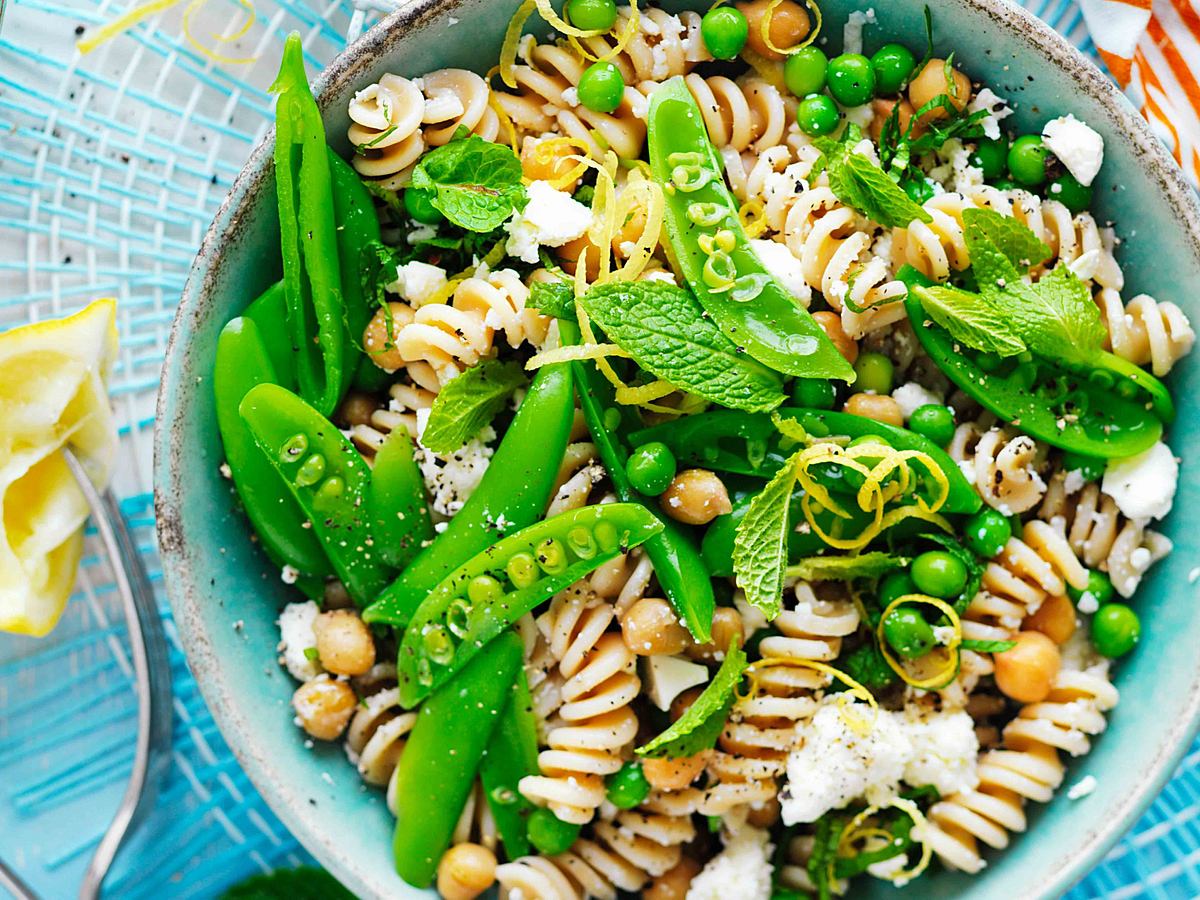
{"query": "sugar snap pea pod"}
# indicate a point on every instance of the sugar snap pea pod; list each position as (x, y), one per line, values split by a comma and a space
(1094, 413)
(511, 755)
(677, 563)
(442, 756)
(357, 227)
(243, 362)
(712, 251)
(308, 236)
(512, 494)
(269, 313)
(494, 588)
(400, 524)
(327, 477)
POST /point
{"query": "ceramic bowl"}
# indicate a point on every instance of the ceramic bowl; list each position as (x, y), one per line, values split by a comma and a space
(216, 578)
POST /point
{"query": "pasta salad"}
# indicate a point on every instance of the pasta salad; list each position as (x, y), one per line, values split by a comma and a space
(706, 467)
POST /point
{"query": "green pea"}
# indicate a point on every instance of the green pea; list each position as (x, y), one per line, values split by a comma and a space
(550, 834)
(817, 115)
(986, 532)
(893, 586)
(991, 157)
(1027, 160)
(908, 632)
(875, 372)
(893, 65)
(724, 30)
(552, 556)
(1098, 592)
(919, 190)
(592, 15)
(813, 393)
(939, 574)
(627, 787)
(484, 589)
(419, 204)
(1090, 467)
(601, 87)
(651, 467)
(1115, 630)
(522, 570)
(933, 421)
(1070, 193)
(851, 79)
(804, 71)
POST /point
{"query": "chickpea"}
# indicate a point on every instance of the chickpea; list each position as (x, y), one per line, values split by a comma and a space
(571, 252)
(1027, 671)
(930, 82)
(1055, 619)
(674, 774)
(650, 628)
(883, 111)
(765, 815)
(543, 161)
(377, 340)
(674, 883)
(684, 701)
(630, 231)
(879, 407)
(695, 497)
(831, 324)
(344, 642)
(726, 627)
(789, 26)
(466, 871)
(324, 707)
(356, 409)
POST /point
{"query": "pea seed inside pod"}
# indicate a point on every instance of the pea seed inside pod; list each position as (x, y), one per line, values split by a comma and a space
(439, 646)
(484, 589)
(330, 490)
(311, 471)
(606, 536)
(293, 448)
(504, 796)
(458, 617)
(552, 557)
(522, 570)
(581, 542)
(707, 215)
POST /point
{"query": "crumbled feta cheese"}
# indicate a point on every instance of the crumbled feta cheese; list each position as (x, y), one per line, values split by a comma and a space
(943, 634)
(289, 574)
(1073, 482)
(852, 32)
(659, 275)
(666, 677)
(859, 115)
(1143, 486)
(997, 108)
(911, 395)
(551, 219)
(944, 749)
(962, 176)
(741, 871)
(1082, 787)
(1077, 146)
(784, 268)
(417, 282)
(296, 636)
(451, 478)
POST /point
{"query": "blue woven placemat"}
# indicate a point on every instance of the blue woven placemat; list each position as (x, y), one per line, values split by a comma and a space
(111, 167)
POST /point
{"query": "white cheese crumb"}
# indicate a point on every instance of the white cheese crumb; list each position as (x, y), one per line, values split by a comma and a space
(944, 749)
(296, 636)
(741, 871)
(289, 574)
(943, 634)
(911, 395)
(551, 219)
(451, 478)
(225, 471)
(852, 33)
(1143, 486)
(666, 677)
(417, 282)
(1194, 575)
(659, 275)
(1077, 146)
(997, 108)
(1082, 787)
(1088, 604)
(784, 268)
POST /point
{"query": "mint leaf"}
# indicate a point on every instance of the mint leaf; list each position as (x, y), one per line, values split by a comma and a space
(972, 319)
(552, 298)
(1058, 318)
(760, 542)
(468, 403)
(865, 187)
(699, 727)
(474, 183)
(666, 332)
(987, 646)
(845, 568)
(304, 883)
(1014, 239)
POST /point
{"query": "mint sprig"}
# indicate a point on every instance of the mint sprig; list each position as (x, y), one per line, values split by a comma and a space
(865, 187)
(468, 403)
(474, 183)
(699, 727)
(552, 298)
(303, 883)
(760, 542)
(846, 568)
(972, 319)
(987, 646)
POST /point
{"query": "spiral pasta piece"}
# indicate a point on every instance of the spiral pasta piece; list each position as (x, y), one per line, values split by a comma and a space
(1146, 331)
(404, 401)
(1028, 768)
(595, 725)
(747, 114)
(377, 734)
(578, 475)
(1004, 468)
(476, 824)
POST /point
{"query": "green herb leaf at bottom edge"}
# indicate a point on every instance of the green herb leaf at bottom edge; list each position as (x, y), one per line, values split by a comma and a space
(303, 883)
(468, 403)
(699, 727)
(760, 543)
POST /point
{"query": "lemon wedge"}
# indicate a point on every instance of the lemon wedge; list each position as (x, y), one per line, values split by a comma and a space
(53, 394)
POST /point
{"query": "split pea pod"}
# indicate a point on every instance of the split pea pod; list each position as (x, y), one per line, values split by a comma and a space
(511, 755)
(244, 361)
(512, 494)
(308, 236)
(327, 477)
(493, 589)
(357, 227)
(713, 253)
(269, 313)
(442, 756)
(399, 515)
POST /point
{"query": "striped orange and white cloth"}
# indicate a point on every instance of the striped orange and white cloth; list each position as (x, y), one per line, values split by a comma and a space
(1152, 47)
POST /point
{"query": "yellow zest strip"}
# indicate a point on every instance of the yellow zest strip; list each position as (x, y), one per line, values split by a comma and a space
(850, 835)
(505, 122)
(946, 673)
(643, 394)
(544, 154)
(753, 218)
(574, 353)
(121, 24)
(512, 40)
(856, 723)
(641, 193)
(246, 23)
(632, 24)
(194, 7)
(764, 27)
